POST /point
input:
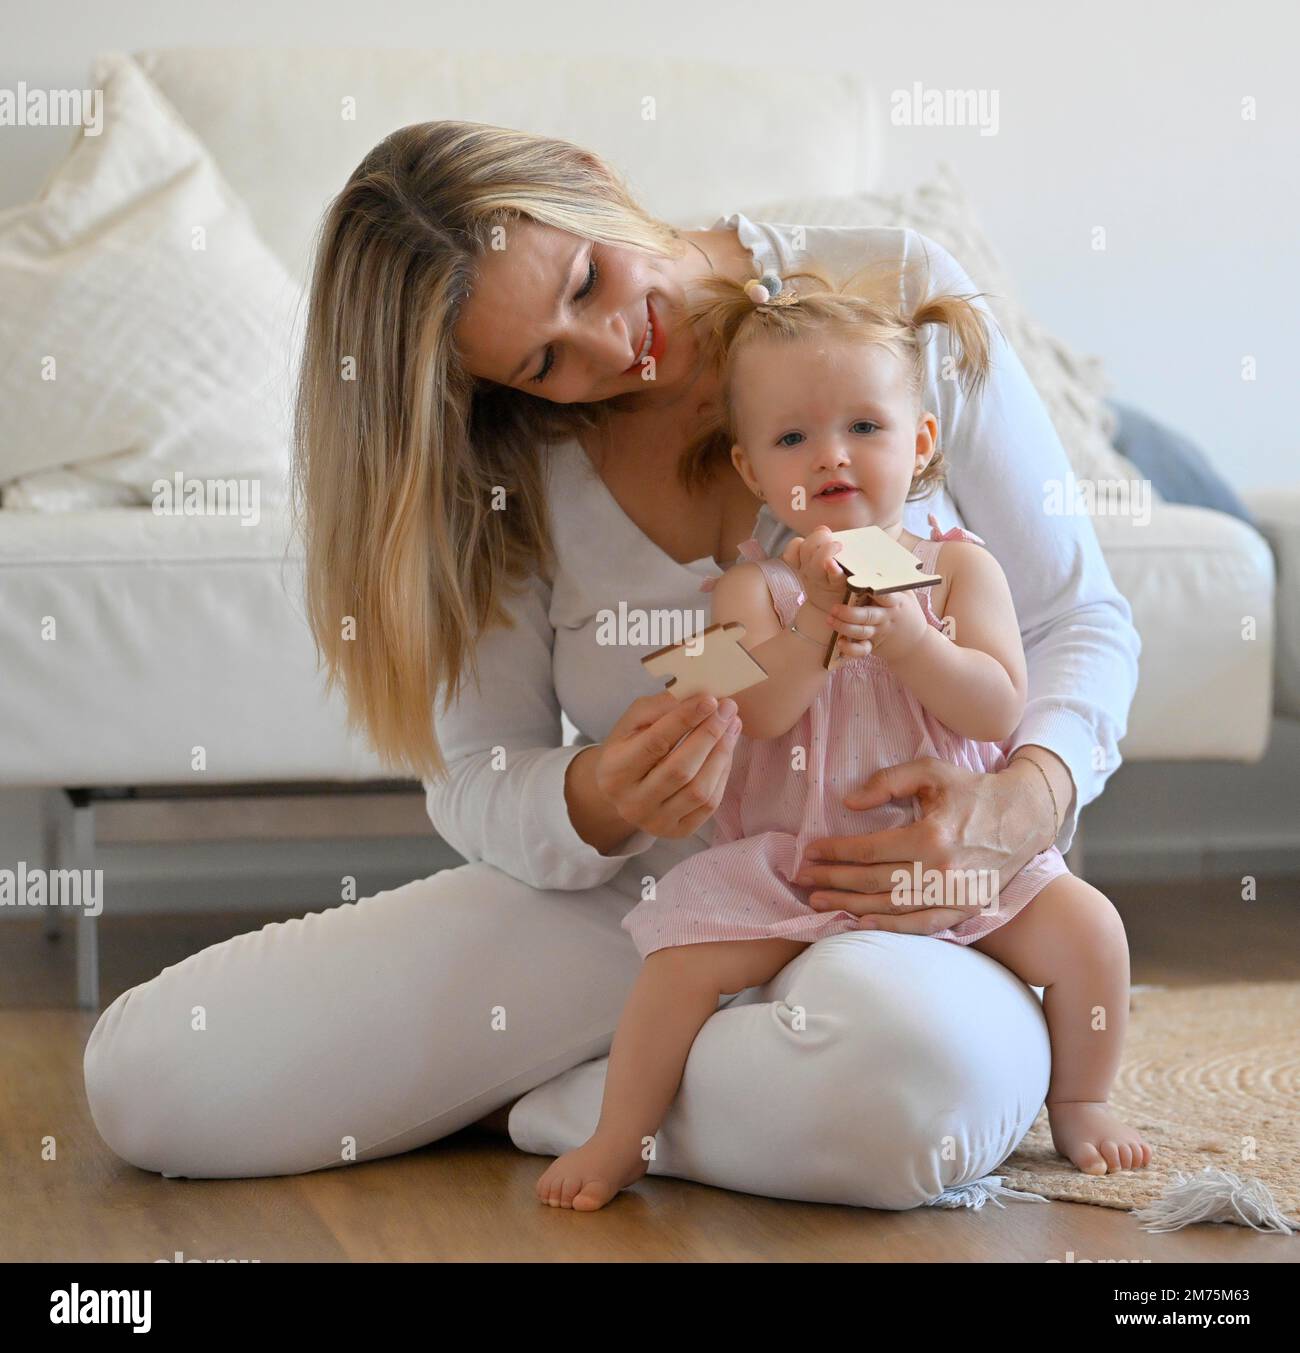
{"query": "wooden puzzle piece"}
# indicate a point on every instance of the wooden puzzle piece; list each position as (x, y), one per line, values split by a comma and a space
(875, 563)
(709, 663)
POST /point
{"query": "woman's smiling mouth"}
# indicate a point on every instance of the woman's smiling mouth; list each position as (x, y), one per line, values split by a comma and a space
(651, 344)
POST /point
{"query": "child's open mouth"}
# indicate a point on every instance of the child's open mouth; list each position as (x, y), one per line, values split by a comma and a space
(836, 491)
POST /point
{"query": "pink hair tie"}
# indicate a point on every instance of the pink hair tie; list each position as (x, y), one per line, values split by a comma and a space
(770, 290)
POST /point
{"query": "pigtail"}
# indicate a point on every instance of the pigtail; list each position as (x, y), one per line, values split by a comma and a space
(967, 325)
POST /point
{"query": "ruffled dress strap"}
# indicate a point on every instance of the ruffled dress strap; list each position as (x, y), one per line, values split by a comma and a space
(750, 551)
(952, 533)
(785, 586)
(927, 551)
(782, 581)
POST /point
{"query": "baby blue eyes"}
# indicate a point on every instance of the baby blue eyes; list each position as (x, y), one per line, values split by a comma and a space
(784, 439)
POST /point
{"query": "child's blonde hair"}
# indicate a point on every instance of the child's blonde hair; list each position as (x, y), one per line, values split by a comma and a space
(865, 308)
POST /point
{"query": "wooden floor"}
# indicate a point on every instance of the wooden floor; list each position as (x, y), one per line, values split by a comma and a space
(470, 1197)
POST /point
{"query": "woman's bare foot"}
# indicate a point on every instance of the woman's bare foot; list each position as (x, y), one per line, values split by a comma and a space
(1096, 1140)
(586, 1179)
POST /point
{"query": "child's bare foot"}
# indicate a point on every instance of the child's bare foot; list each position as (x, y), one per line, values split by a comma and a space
(1096, 1140)
(586, 1179)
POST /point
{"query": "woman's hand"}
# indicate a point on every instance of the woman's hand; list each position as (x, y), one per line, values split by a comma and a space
(662, 769)
(969, 820)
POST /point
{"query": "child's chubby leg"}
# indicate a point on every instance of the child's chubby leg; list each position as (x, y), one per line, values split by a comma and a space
(1070, 941)
(677, 990)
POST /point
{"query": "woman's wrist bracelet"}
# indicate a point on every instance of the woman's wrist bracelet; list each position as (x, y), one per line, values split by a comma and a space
(1021, 756)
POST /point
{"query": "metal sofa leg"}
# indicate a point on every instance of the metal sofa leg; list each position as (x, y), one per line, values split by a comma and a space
(77, 851)
(53, 828)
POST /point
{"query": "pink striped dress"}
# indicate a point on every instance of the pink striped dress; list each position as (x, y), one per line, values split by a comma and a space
(775, 803)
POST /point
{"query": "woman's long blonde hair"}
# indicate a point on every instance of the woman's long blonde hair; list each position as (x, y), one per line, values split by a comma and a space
(402, 461)
(866, 307)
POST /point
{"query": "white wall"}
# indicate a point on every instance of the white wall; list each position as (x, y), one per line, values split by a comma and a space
(1112, 113)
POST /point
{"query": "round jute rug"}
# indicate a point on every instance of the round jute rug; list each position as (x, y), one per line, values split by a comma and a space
(1210, 1077)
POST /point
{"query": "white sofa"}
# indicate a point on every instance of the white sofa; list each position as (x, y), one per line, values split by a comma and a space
(177, 631)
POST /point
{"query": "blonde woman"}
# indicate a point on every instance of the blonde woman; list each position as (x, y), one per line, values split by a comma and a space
(506, 481)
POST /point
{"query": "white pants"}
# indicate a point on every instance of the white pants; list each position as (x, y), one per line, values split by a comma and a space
(875, 1069)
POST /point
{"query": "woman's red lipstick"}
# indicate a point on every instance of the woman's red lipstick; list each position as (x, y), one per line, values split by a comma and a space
(656, 347)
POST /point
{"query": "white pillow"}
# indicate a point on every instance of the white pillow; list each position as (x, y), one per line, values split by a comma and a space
(75, 489)
(1072, 387)
(166, 357)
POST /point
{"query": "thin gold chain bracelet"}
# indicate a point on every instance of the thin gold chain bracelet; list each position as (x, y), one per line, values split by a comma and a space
(1051, 793)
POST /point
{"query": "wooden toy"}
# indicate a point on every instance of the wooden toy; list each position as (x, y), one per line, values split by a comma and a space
(712, 662)
(874, 564)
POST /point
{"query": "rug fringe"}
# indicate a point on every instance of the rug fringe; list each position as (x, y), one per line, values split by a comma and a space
(981, 1191)
(1214, 1195)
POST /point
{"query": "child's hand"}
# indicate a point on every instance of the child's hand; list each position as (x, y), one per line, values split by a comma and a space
(890, 626)
(813, 558)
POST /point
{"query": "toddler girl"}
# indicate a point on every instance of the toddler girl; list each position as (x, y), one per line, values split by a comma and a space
(822, 411)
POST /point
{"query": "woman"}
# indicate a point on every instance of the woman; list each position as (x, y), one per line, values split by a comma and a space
(501, 445)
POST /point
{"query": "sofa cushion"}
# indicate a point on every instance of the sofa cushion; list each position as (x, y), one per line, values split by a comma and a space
(181, 632)
(130, 639)
(1201, 587)
(72, 488)
(1277, 510)
(1178, 469)
(146, 329)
